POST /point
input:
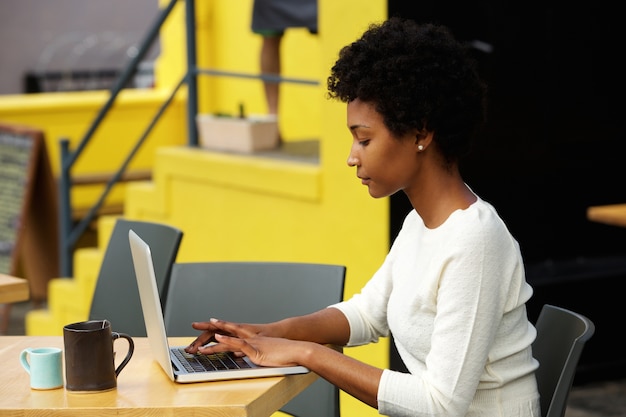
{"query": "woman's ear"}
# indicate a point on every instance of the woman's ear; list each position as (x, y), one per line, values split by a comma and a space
(423, 140)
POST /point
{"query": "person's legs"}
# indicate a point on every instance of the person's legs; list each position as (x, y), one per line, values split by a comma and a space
(270, 64)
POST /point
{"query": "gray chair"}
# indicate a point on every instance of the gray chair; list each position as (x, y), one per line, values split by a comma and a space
(116, 297)
(561, 337)
(257, 292)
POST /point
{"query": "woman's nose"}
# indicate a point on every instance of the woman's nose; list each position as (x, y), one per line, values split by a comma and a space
(352, 159)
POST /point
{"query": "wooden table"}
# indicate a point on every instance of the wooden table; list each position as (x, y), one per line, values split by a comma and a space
(612, 214)
(12, 289)
(142, 389)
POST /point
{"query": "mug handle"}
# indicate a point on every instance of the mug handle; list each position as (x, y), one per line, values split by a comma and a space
(24, 359)
(129, 354)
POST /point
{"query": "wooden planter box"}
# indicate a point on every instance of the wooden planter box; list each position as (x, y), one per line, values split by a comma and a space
(250, 134)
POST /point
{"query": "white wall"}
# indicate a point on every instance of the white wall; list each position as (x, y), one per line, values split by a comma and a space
(68, 34)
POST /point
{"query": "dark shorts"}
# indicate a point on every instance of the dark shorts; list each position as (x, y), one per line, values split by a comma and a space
(273, 17)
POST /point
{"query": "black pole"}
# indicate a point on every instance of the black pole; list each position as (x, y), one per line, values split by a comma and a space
(65, 211)
(192, 79)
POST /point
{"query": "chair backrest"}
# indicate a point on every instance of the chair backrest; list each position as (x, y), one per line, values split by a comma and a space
(561, 336)
(116, 297)
(257, 292)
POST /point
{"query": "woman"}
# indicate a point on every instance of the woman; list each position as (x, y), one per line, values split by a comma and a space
(452, 289)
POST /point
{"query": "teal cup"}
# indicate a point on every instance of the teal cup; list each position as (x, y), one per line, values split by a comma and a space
(44, 365)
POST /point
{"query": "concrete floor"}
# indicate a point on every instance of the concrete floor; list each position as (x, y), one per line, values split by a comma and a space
(598, 399)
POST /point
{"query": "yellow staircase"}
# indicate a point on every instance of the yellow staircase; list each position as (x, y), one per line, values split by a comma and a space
(69, 298)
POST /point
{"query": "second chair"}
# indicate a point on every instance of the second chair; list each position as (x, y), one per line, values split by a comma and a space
(561, 337)
(257, 292)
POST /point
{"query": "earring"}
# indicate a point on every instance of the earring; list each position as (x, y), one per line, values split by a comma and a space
(420, 148)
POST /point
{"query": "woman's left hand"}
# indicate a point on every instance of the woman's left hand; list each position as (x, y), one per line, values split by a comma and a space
(264, 351)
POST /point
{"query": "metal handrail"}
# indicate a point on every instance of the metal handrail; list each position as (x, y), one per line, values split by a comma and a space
(69, 235)
(264, 77)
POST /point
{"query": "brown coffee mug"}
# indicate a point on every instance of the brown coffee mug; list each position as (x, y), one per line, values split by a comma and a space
(89, 357)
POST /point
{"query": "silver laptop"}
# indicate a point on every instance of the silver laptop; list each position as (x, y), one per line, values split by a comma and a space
(177, 364)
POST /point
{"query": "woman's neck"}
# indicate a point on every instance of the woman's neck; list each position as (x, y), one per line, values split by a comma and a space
(442, 193)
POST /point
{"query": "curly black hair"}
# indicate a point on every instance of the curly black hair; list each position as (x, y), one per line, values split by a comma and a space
(417, 77)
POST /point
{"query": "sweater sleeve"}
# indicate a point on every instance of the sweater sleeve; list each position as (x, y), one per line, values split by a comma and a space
(366, 311)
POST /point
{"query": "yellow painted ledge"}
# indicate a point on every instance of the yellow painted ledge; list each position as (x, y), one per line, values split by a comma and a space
(79, 100)
(252, 173)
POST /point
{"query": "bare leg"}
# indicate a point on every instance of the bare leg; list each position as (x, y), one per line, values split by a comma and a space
(270, 64)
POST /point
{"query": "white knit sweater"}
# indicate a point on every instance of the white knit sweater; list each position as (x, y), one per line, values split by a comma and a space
(454, 299)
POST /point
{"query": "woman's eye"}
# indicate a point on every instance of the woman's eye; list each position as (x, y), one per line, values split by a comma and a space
(364, 142)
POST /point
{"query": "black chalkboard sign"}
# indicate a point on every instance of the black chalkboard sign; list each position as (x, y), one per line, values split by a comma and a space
(16, 161)
(28, 209)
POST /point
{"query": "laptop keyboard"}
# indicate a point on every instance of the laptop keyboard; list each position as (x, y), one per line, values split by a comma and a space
(213, 362)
